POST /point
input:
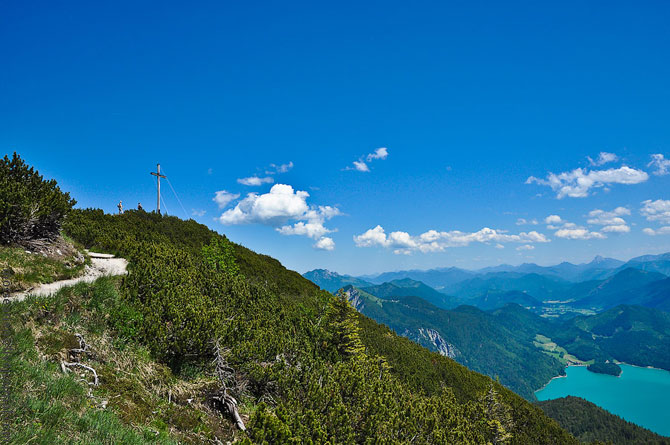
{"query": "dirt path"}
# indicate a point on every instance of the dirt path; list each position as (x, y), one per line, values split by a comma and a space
(101, 264)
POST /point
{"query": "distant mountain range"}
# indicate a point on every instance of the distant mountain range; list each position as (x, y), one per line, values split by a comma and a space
(522, 324)
(333, 281)
(595, 286)
(407, 287)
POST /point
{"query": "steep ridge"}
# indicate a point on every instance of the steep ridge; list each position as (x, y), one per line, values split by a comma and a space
(472, 337)
(284, 333)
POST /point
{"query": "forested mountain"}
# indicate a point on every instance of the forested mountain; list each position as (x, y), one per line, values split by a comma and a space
(408, 287)
(540, 286)
(595, 286)
(620, 288)
(631, 334)
(496, 299)
(469, 335)
(333, 281)
(589, 422)
(436, 278)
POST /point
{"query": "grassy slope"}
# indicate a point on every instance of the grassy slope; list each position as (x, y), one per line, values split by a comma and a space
(28, 269)
(53, 407)
(144, 396)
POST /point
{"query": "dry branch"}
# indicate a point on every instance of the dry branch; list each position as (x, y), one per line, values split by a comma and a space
(222, 398)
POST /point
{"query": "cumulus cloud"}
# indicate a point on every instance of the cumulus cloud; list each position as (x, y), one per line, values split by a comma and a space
(568, 230)
(579, 182)
(380, 153)
(361, 164)
(277, 207)
(658, 210)
(578, 233)
(325, 243)
(611, 221)
(255, 180)
(287, 210)
(435, 241)
(603, 158)
(524, 221)
(526, 247)
(553, 219)
(222, 198)
(665, 230)
(660, 164)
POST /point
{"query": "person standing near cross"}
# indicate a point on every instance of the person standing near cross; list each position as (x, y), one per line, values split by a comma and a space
(120, 206)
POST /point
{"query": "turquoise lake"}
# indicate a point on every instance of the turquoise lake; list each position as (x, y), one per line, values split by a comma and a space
(639, 395)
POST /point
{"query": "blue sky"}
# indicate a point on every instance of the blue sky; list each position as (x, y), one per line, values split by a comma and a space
(469, 99)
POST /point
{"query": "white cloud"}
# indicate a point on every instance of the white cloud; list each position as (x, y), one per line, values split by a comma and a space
(222, 198)
(612, 221)
(255, 181)
(603, 158)
(282, 168)
(617, 228)
(277, 207)
(198, 213)
(362, 166)
(372, 237)
(280, 207)
(579, 182)
(553, 219)
(380, 153)
(579, 233)
(665, 230)
(658, 210)
(526, 247)
(568, 230)
(325, 243)
(524, 221)
(434, 241)
(312, 230)
(661, 165)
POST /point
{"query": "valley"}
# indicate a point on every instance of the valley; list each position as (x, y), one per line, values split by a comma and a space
(498, 320)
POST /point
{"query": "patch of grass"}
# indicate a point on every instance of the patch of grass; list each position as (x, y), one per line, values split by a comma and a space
(29, 269)
(551, 348)
(145, 401)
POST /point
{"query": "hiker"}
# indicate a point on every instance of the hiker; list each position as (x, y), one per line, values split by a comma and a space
(120, 206)
(139, 206)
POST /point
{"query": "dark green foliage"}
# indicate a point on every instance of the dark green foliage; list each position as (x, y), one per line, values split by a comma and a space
(631, 334)
(605, 368)
(480, 340)
(220, 255)
(589, 422)
(31, 208)
(312, 369)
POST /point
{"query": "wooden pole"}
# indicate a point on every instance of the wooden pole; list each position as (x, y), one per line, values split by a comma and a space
(158, 178)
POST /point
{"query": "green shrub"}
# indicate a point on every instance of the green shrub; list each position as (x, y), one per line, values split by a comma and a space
(31, 207)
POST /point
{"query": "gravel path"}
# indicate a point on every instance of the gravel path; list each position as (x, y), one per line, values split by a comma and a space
(101, 264)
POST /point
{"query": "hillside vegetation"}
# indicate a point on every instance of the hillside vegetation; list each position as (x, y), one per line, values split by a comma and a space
(302, 364)
(590, 422)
